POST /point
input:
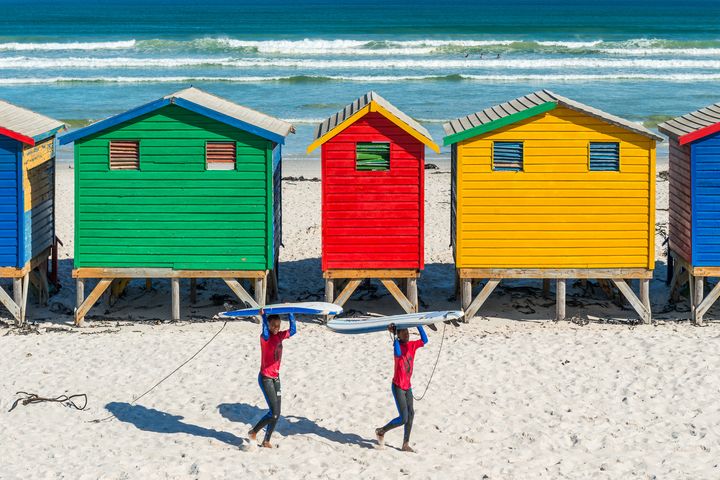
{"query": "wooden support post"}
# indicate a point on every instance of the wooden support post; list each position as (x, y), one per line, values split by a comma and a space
(87, 303)
(329, 290)
(347, 292)
(412, 293)
(473, 308)
(175, 287)
(698, 293)
(546, 287)
(23, 305)
(677, 281)
(634, 301)
(261, 291)
(705, 305)
(466, 294)
(241, 293)
(645, 296)
(560, 299)
(193, 290)
(12, 307)
(398, 294)
(17, 294)
(79, 292)
(148, 284)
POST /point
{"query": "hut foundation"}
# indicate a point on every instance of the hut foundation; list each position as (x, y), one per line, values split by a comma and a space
(620, 277)
(117, 279)
(347, 281)
(36, 270)
(696, 278)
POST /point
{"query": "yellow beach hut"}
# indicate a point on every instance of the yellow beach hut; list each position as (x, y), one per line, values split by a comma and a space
(546, 187)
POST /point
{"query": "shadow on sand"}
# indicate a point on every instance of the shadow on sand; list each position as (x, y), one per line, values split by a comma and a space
(151, 420)
(290, 425)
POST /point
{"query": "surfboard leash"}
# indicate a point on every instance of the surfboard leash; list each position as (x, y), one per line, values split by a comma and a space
(111, 416)
(442, 340)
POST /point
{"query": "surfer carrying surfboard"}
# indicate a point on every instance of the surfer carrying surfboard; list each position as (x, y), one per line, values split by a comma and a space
(404, 352)
(269, 377)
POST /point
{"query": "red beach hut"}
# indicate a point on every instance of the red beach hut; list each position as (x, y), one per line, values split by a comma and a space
(373, 163)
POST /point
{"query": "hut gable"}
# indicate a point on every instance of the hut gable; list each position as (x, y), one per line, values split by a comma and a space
(26, 126)
(370, 102)
(527, 194)
(171, 208)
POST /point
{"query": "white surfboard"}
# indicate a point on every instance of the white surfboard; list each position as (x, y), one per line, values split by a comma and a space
(378, 324)
(303, 308)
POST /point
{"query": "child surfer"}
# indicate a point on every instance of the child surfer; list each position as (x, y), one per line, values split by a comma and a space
(404, 351)
(269, 377)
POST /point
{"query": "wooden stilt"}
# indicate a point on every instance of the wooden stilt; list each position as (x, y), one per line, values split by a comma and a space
(148, 284)
(698, 293)
(645, 296)
(17, 294)
(705, 305)
(329, 290)
(79, 292)
(546, 287)
(261, 291)
(634, 301)
(87, 303)
(193, 290)
(412, 293)
(14, 308)
(175, 287)
(23, 305)
(466, 294)
(240, 292)
(560, 299)
(473, 308)
(395, 291)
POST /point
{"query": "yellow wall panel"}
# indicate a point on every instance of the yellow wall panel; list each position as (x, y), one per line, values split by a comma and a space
(556, 213)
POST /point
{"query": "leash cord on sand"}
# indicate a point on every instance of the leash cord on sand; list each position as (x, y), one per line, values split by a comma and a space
(31, 398)
(442, 340)
(111, 416)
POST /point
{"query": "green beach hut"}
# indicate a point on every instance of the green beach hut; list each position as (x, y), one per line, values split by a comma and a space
(187, 186)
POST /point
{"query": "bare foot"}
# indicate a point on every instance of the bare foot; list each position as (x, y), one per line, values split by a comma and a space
(252, 435)
(267, 444)
(380, 437)
(406, 448)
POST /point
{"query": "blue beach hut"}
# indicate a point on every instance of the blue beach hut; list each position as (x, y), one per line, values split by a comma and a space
(27, 202)
(694, 225)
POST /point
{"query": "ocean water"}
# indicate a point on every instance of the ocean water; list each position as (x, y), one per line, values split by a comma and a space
(303, 60)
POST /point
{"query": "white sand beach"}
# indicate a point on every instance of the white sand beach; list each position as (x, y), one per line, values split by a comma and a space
(515, 394)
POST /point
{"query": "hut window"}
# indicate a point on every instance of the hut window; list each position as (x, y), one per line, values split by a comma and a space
(220, 155)
(508, 156)
(372, 156)
(604, 157)
(124, 155)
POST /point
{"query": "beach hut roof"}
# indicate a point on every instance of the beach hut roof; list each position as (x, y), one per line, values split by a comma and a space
(525, 107)
(201, 102)
(693, 126)
(25, 125)
(370, 102)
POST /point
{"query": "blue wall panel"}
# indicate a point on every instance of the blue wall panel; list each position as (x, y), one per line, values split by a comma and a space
(705, 158)
(9, 154)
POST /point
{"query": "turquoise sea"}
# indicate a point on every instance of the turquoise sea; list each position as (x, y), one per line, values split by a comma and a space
(303, 60)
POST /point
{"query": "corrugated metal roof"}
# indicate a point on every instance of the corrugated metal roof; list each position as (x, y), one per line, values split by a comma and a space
(691, 122)
(533, 100)
(334, 120)
(26, 122)
(238, 112)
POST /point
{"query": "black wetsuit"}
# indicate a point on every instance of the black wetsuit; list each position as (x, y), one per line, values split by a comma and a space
(404, 404)
(271, 390)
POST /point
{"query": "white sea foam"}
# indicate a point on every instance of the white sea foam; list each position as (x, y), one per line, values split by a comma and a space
(675, 77)
(80, 63)
(60, 46)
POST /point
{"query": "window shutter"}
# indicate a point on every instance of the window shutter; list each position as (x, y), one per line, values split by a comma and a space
(124, 155)
(371, 156)
(508, 156)
(220, 155)
(604, 157)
